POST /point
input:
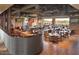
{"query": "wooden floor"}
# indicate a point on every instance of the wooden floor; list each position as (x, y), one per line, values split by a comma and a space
(69, 46)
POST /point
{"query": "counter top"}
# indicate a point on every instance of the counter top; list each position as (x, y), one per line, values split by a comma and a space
(26, 34)
(19, 33)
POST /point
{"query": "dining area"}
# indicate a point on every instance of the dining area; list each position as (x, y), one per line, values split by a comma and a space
(56, 34)
(32, 33)
(57, 43)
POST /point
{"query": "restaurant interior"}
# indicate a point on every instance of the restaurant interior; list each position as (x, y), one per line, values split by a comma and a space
(39, 29)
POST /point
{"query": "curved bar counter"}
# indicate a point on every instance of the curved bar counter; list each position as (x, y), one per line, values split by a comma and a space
(22, 46)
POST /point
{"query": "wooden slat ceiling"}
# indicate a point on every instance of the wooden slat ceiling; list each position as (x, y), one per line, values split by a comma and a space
(4, 7)
(75, 6)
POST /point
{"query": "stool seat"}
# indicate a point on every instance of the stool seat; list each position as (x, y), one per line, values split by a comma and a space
(2, 43)
(3, 49)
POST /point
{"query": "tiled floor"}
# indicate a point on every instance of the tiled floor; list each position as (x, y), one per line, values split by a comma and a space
(70, 46)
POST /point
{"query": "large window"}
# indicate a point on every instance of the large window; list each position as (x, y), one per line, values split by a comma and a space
(47, 21)
(74, 21)
(62, 21)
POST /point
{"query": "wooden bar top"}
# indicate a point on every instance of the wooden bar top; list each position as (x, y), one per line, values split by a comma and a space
(26, 34)
(22, 33)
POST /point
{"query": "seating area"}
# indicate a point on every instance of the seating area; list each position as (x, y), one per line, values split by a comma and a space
(32, 28)
(56, 33)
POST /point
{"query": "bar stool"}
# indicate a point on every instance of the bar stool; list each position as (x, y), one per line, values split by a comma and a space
(1, 43)
(3, 49)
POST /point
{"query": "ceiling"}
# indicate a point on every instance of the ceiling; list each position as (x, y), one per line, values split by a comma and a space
(75, 6)
(43, 9)
(4, 7)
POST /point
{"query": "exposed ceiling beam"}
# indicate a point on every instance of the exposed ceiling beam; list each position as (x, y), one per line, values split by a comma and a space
(75, 6)
(24, 8)
(4, 7)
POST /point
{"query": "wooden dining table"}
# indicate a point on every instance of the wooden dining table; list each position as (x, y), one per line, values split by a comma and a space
(54, 37)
